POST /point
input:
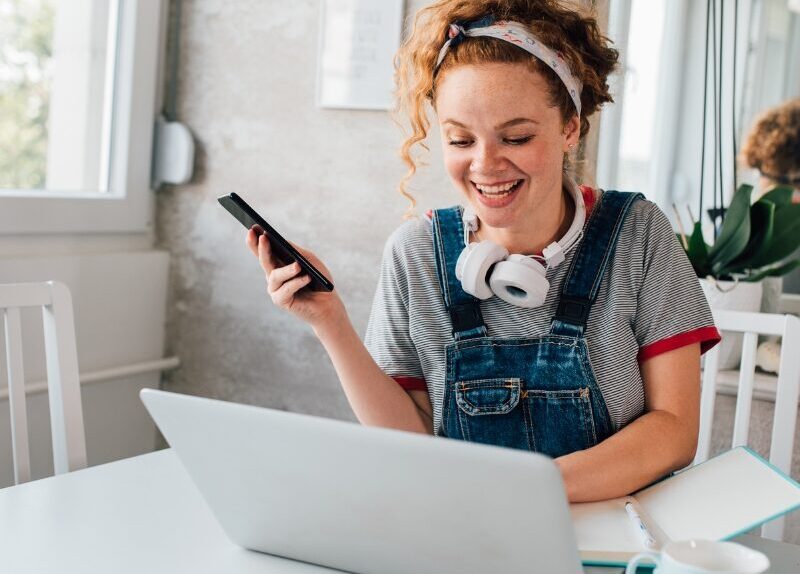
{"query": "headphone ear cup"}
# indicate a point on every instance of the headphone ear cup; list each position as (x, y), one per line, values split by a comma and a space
(474, 264)
(520, 280)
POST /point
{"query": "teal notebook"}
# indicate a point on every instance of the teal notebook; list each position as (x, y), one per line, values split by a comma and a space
(716, 500)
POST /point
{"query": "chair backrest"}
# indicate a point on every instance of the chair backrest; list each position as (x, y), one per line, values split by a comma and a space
(66, 412)
(786, 391)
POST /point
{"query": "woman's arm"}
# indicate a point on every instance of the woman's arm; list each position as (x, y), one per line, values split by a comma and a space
(662, 440)
(376, 399)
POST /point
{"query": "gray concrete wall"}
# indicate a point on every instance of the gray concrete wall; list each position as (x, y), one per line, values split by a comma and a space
(326, 178)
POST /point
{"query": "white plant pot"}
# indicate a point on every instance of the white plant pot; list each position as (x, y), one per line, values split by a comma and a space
(732, 296)
(771, 298)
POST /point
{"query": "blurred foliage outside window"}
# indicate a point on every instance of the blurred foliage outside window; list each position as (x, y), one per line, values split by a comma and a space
(26, 70)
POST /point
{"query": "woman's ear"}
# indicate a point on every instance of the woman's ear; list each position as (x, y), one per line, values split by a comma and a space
(572, 132)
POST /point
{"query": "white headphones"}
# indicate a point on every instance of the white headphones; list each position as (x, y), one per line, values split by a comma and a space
(487, 269)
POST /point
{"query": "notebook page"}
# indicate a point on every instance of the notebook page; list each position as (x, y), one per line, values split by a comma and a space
(605, 526)
(732, 492)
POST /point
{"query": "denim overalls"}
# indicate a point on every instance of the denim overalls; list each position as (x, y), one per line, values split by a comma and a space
(540, 393)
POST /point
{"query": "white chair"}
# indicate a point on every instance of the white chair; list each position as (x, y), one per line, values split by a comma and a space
(786, 391)
(66, 412)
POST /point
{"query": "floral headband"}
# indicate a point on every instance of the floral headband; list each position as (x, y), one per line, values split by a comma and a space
(519, 35)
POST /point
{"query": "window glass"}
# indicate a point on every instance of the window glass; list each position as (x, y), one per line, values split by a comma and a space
(639, 113)
(56, 87)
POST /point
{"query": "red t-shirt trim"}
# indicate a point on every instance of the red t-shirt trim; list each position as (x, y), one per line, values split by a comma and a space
(706, 336)
(411, 383)
(588, 199)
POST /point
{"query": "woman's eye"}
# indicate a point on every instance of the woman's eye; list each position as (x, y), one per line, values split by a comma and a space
(519, 141)
(459, 143)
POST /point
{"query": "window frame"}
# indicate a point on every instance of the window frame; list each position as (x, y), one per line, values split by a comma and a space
(675, 171)
(127, 206)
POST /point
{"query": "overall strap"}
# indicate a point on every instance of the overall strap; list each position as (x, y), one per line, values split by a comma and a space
(580, 287)
(448, 242)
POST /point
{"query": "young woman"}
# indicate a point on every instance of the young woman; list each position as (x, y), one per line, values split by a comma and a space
(573, 324)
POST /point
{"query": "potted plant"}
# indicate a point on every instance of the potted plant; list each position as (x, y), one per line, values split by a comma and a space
(756, 240)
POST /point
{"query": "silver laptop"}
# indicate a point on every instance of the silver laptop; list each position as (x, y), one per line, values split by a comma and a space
(369, 500)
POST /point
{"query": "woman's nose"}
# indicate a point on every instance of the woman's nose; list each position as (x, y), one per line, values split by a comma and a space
(487, 159)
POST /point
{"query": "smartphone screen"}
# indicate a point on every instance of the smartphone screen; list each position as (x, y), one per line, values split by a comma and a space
(282, 250)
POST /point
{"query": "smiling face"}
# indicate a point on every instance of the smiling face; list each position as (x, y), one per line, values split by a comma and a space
(504, 145)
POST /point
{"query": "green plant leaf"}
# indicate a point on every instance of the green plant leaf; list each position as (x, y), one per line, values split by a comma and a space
(735, 232)
(775, 271)
(785, 237)
(762, 215)
(779, 195)
(698, 251)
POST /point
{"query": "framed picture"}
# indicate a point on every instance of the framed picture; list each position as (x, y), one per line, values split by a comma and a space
(358, 40)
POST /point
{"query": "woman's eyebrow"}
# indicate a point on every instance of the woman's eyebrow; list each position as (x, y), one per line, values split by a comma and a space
(514, 122)
(508, 124)
(454, 123)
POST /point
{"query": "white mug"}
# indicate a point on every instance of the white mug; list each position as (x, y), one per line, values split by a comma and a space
(702, 557)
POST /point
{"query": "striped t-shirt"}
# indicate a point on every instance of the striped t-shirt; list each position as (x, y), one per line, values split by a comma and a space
(649, 302)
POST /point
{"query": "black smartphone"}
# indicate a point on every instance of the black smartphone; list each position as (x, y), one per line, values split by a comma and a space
(282, 250)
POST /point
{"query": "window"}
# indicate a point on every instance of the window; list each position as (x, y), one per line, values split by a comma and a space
(629, 151)
(651, 139)
(78, 85)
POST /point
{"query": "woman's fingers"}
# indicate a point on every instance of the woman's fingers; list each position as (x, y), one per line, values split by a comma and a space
(280, 275)
(283, 281)
(284, 295)
(313, 259)
(252, 241)
(265, 255)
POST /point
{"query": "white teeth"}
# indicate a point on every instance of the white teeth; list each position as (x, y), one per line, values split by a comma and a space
(496, 189)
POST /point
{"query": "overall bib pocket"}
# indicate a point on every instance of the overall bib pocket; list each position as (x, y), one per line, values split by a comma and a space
(488, 396)
(487, 411)
(561, 420)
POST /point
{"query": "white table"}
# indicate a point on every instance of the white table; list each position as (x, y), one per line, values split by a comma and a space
(144, 514)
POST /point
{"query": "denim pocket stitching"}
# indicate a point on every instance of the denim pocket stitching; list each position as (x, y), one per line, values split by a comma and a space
(448, 389)
(526, 415)
(469, 408)
(591, 431)
(445, 409)
(588, 374)
(591, 420)
(556, 393)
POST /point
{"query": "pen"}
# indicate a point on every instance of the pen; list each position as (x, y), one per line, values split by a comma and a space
(647, 538)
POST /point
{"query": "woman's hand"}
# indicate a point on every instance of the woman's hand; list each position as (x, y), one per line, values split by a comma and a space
(284, 284)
